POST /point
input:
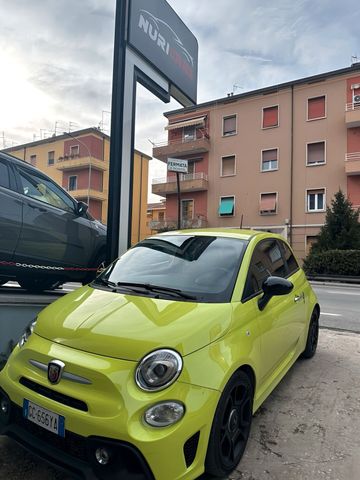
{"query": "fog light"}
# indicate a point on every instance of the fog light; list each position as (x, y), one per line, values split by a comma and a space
(164, 414)
(102, 456)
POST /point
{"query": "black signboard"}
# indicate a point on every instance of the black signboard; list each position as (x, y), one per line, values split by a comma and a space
(157, 33)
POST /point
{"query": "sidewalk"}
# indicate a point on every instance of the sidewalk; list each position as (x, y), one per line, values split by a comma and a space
(308, 429)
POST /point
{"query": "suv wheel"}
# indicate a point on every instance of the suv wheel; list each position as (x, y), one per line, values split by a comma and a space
(38, 285)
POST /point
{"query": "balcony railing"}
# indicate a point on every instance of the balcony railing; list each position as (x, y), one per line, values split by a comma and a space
(352, 115)
(189, 182)
(183, 177)
(198, 222)
(182, 146)
(352, 163)
(68, 162)
(352, 106)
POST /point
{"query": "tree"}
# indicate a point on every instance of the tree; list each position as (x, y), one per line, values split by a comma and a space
(341, 230)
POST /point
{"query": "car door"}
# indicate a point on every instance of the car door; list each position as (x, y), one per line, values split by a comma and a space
(11, 206)
(277, 322)
(52, 233)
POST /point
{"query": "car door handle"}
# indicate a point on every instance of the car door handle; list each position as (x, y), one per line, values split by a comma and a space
(297, 298)
(42, 209)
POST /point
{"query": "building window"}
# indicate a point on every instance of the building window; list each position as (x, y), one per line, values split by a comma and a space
(189, 133)
(227, 206)
(315, 200)
(74, 150)
(315, 154)
(161, 216)
(72, 183)
(270, 117)
(33, 160)
(316, 108)
(228, 166)
(229, 125)
(51, 158)
(269, 160)
(187, 209)
(191, 167)
(268, 203)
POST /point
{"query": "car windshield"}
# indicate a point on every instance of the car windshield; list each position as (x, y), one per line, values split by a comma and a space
(186, 267)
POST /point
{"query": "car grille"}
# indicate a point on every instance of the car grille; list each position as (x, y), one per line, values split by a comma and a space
(53, 395)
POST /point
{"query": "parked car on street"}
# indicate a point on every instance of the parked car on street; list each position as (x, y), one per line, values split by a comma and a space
(46, 236)
(154, 370)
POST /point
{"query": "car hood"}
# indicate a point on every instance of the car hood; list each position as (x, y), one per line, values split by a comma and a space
(128, 326)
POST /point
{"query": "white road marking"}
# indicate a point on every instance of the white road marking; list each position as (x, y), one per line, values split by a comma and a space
(331, 314)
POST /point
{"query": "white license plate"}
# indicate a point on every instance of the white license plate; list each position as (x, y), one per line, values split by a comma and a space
(44, 418)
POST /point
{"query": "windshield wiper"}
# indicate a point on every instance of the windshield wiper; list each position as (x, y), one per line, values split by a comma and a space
(105, 282)
(158, 289)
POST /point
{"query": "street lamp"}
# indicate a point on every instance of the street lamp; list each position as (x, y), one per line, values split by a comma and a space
(90, 160)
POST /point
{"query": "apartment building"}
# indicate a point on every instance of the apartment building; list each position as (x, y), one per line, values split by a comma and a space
(270, 159)
(79, 161)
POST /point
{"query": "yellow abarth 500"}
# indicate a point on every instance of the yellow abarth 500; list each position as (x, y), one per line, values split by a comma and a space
(154, 370)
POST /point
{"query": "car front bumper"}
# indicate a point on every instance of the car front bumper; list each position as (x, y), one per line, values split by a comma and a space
(112, 419)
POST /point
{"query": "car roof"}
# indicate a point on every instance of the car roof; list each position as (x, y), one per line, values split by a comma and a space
(19, 161)
(242, 234)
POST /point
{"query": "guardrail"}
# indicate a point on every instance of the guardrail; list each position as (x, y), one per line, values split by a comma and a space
(334, 278)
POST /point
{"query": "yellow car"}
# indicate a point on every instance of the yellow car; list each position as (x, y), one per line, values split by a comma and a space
(154, 370)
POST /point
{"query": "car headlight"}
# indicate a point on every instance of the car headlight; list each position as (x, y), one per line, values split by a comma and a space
(158, 370)
(27, 332)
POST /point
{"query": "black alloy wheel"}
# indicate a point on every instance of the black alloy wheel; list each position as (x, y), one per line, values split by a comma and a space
(313, 336)
(231, 426)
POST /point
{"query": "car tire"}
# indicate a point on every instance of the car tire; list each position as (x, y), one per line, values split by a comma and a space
(231, 426)
(313, 336)
(38, 285)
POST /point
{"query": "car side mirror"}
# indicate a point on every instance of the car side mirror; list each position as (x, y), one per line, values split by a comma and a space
(274, 286)
(81, 208)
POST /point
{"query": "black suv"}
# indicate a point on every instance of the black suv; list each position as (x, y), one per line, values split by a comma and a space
(46, 236)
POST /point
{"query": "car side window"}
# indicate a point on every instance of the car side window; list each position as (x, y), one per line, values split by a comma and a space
(266, 261)
(4, 175)
(42, 189)
(292, 264)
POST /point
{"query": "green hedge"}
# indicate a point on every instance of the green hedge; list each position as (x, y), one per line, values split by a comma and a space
(333, 262)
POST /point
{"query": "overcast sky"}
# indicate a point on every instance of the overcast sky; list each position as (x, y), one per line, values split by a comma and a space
(56, 58)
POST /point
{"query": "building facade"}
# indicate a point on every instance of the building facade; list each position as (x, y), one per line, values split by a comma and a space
(270, 159)
(156, 217)
(79, 162)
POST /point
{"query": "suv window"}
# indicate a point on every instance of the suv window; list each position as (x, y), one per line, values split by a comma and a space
(266, 261)
(4, 175)
(42, 189)
(292, 264)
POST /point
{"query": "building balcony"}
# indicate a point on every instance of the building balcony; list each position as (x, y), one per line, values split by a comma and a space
(83, 193)
(73, 162)
(352, 115)
(352, 163)
(189, 182)
(198, 222)
(181, 147)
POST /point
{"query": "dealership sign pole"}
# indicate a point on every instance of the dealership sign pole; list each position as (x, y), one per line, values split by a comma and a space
(155, 48)
(179, 166)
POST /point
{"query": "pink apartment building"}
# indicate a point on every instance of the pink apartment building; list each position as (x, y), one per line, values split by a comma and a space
(270, 159)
